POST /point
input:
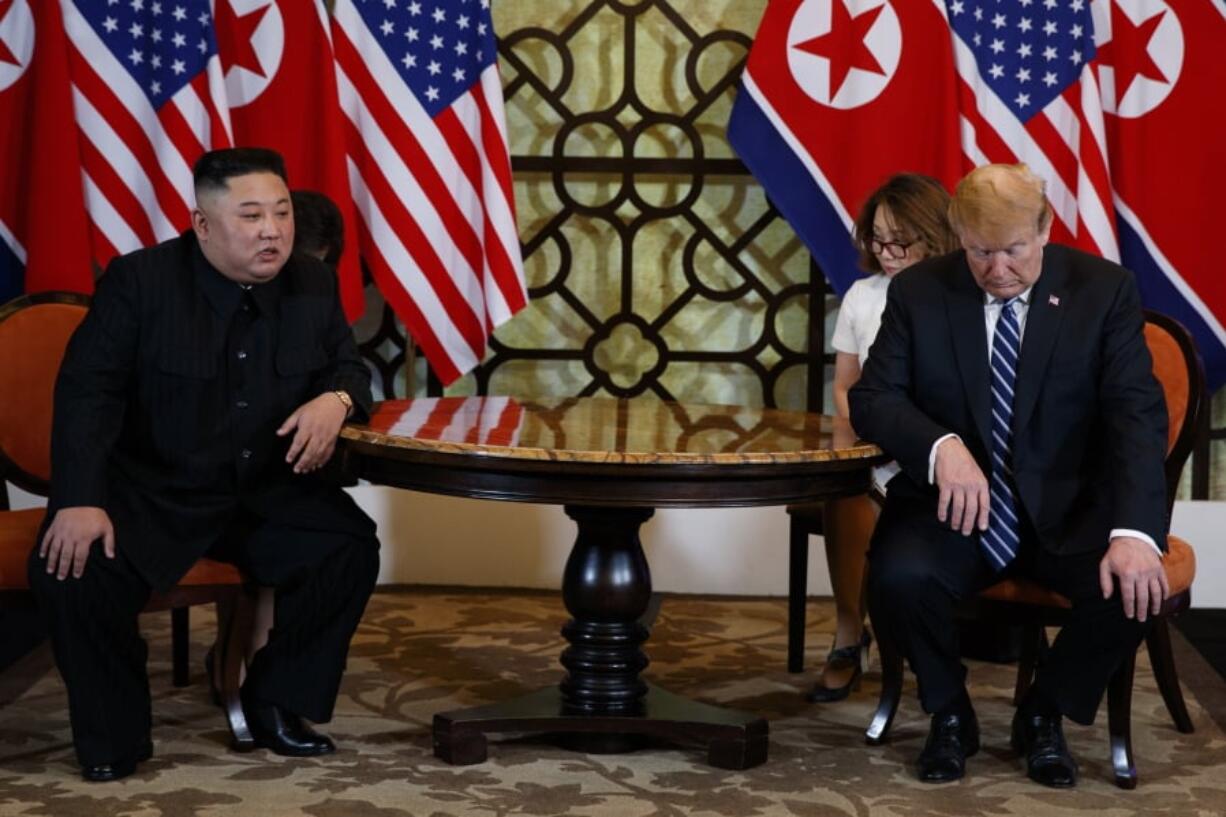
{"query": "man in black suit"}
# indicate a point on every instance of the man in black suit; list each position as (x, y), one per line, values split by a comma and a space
(1012, 383)
(194, 409)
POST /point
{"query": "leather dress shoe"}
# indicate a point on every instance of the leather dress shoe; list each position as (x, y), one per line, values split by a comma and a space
(952, 738)
(284, 732)
(118, 769)
(1040, 739)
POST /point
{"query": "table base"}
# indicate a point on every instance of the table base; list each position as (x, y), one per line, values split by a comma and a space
(733, 740)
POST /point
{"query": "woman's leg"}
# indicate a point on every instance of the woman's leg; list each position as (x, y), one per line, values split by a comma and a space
(848, 524)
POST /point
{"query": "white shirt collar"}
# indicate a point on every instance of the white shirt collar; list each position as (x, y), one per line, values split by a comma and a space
(1024, 297)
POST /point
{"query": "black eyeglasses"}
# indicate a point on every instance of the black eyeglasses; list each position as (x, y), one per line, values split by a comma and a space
(891, 249)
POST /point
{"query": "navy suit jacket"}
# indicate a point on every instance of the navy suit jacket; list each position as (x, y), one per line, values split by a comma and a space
(1089, 418)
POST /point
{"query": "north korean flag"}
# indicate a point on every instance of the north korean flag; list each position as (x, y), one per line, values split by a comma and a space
(44, 232)
(281, 89)
(838, 95)
(1161, 72)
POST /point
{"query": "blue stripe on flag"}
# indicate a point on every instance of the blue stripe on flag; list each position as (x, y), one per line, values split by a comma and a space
(1158, 293)
(794, 191)
(12, 273)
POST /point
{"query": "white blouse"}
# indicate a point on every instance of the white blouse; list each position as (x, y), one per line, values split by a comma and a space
(859, 316)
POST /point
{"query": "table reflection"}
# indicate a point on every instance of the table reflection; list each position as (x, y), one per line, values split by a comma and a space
(611, 430)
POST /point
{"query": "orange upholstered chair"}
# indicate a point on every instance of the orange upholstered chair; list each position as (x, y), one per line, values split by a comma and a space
(34, 331)
(1178, 369)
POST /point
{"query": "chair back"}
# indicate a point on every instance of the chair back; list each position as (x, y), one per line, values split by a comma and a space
(1179, 370)
(34, 332)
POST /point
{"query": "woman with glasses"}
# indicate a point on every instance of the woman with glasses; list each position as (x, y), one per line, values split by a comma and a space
(902, 222)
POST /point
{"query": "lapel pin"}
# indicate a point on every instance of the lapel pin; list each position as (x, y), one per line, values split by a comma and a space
(1054, 300)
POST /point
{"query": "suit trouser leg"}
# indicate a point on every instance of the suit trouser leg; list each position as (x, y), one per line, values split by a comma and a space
(1090, 647)
(918, 572)
(322, 581)
(100, 653)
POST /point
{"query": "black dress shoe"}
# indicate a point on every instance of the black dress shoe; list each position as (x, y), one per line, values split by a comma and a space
(952, 738)
(284, 732)
(118, 769)
(1040, 739)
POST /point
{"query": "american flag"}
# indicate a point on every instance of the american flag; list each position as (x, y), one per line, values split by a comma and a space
(149, 98)
(429, 169)
(1029, 95)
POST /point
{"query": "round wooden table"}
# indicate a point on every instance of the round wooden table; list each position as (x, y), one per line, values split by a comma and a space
(610, 463)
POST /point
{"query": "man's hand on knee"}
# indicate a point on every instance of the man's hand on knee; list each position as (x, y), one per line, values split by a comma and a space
(963, 501)
(66, 543)
(1143, 585)
(315, 425)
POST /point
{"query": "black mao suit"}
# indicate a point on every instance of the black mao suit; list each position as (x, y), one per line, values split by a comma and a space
(166, 409)
(1089, 439)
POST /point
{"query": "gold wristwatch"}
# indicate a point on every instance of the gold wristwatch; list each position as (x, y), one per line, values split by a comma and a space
(344, 397)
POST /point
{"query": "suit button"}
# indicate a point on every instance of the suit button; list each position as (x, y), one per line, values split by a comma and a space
(242, 404)
(242, 355)
(246, 453)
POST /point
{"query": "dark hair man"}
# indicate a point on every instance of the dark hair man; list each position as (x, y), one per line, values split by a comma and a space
(194, 408)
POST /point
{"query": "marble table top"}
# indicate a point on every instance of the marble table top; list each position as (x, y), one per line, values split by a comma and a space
(639, 431)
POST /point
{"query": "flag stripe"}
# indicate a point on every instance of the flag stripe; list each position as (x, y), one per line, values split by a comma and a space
(410, 294)
(122, 205)
(501, 239)
(114, 234)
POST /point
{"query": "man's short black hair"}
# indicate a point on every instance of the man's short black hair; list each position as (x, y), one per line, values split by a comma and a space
(214, 169)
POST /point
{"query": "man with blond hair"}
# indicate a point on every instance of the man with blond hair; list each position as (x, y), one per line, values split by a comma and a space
(1012, 383)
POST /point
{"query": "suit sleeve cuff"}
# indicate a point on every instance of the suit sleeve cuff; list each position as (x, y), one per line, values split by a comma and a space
(1136, 534)
(932, 457)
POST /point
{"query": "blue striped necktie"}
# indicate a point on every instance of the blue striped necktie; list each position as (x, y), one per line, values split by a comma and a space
(1000, 541)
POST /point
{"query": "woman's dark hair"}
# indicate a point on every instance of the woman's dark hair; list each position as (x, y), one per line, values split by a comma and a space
(920, 206)
(319, 228)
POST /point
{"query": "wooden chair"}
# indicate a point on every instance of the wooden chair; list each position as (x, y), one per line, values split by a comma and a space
(1178, 369)
(804, 520)
(34, 331)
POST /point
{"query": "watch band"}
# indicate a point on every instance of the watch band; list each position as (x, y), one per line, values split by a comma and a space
(344, 397)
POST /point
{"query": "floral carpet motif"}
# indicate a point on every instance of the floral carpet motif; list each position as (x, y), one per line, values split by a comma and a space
(421, 652)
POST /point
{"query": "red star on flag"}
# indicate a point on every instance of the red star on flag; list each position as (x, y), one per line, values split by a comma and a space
(234, 36)
(6, 54)
(843, 45)
(1128, 50)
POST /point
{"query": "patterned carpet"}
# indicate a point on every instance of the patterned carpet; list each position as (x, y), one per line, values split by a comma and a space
(420, 652)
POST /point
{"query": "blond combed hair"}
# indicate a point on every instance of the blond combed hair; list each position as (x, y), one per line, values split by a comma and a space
(996, 200)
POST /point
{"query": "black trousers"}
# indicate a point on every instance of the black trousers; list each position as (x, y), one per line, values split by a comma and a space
(918, 572)
(322, 581)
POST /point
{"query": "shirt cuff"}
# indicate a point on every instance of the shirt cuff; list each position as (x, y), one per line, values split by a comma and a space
(1136, 534)
(932, 457)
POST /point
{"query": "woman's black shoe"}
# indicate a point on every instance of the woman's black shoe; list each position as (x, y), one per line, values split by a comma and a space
(842, 658)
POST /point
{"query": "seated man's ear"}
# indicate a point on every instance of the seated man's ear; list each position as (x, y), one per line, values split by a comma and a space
(200, 225)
